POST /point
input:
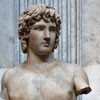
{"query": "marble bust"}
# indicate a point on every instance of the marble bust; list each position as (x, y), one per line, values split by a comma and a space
(40, 76)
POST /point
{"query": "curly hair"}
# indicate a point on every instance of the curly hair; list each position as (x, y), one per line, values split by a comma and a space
(33, 14)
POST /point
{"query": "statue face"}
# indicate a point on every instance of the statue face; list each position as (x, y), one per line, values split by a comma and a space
(42, 37)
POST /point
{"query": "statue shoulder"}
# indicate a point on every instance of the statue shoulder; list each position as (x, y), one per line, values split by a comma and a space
(71, 67)
(76, 68)
(9, 72)
(81, 81)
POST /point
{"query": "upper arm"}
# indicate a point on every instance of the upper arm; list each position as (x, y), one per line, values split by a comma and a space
(81, 81)
(4, 93)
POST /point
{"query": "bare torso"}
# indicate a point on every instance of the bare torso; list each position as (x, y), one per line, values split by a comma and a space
(56, 84)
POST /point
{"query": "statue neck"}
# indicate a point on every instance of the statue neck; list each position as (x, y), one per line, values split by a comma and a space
(39, 59)
(37, 63)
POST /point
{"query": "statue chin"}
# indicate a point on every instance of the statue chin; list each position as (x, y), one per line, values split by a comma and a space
(44, 52)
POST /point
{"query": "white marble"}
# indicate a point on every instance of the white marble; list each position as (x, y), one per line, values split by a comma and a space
(2, 70)
(93, 72)
(7, 34)
(90, 31)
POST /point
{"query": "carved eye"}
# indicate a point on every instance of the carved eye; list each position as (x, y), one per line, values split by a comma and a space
(40, 28)
(52, 29)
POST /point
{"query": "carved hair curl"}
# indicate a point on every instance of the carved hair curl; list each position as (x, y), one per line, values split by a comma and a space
(33, 14)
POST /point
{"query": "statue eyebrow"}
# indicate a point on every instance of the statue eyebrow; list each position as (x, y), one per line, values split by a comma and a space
(38, 25)
(41, 25)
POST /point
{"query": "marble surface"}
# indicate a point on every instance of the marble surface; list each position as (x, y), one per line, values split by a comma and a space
(2, 70)
(93, 72)
(7, 34)
(90, 41)
(90, 32)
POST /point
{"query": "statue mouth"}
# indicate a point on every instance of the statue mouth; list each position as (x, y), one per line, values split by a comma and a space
(46, 44)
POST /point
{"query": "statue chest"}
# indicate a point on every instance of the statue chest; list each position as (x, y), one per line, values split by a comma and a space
(41, 87)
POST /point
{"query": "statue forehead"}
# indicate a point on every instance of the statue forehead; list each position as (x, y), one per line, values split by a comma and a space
(42, 22)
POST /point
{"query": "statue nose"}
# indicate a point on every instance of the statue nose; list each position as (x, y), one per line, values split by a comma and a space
(47, 35)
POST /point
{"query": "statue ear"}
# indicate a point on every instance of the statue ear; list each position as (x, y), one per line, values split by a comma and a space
(24, 42)
(24, 45)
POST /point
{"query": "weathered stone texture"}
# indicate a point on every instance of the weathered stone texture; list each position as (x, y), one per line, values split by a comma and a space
(7, 36)
(90, 31)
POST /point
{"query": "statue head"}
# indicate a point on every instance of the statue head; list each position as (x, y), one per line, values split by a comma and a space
(33, 14)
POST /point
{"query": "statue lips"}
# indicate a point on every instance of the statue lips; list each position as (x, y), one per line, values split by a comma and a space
(46, 44)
